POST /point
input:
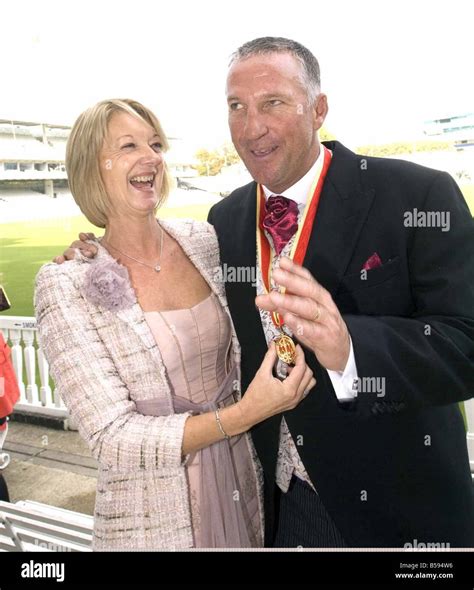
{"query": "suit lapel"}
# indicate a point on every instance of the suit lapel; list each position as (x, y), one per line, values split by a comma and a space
(343, 209)
(242, 251)
(238, 249)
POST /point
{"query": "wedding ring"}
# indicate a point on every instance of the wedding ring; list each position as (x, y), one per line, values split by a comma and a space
(317, 315)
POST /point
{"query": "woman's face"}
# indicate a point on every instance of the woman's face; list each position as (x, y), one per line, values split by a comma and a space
(131, 166)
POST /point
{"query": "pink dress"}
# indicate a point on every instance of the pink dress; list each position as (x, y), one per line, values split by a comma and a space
(194, 344)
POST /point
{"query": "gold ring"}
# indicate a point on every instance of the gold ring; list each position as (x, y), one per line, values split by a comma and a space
(317, 315)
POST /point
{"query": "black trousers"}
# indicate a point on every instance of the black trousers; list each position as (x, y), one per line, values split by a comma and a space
(302, 520)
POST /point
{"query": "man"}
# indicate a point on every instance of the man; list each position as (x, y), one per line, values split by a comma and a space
(390, 465)
(376, 454)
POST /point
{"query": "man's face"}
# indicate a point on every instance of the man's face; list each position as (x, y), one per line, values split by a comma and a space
(273, 126)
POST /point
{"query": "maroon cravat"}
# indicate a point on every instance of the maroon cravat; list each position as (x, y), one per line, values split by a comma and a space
(281, 220)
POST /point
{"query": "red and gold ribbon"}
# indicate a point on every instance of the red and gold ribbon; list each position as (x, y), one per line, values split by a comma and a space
(265, 251)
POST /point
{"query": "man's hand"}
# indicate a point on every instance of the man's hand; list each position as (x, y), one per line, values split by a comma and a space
(86, 249)
(311, 314)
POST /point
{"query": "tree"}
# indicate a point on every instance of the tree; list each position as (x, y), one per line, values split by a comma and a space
(230, 154)
(212, 162)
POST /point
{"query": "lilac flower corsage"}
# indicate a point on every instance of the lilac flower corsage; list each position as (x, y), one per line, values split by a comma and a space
(107, 284)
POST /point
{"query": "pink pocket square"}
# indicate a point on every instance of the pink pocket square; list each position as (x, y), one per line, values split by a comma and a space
(372, 262)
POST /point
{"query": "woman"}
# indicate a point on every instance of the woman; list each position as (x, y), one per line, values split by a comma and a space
(143, 352)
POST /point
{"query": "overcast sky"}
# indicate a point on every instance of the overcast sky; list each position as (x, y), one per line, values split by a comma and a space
(386, 66)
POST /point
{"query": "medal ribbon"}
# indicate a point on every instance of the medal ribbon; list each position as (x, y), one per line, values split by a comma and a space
(265, 251)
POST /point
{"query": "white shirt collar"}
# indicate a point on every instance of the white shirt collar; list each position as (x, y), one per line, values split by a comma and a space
(300, 190)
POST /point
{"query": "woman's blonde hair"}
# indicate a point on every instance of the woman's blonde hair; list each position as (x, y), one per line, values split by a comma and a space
(82, 155)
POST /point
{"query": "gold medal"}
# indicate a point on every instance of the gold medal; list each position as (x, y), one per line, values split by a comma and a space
(285, 349)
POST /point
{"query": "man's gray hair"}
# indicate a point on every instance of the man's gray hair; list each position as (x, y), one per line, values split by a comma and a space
(266, 45)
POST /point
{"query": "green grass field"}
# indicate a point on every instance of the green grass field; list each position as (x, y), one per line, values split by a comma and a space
(26, 246)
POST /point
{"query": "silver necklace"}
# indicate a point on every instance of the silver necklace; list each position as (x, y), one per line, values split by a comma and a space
(156, 267)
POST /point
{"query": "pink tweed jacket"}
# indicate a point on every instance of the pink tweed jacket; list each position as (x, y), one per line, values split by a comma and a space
(103, 362)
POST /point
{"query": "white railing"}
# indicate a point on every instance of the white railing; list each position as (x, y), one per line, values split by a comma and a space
(31, 368)
(22, 335)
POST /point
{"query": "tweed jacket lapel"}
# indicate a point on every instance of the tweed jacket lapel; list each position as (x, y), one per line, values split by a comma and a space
(199, 242)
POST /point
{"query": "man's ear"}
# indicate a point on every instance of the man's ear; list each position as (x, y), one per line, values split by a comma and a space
(320, 111)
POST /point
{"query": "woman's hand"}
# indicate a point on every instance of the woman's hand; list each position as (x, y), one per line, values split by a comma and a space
(267, 395)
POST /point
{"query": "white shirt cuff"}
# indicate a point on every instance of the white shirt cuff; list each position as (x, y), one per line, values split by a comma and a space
(343, 381)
